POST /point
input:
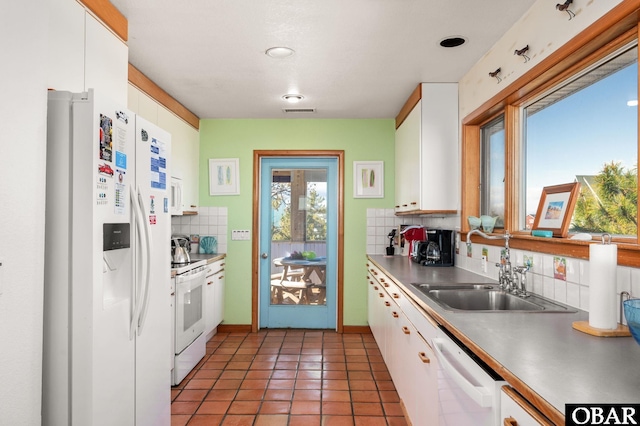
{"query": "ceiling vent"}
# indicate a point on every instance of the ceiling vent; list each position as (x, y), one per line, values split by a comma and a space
(299, 110)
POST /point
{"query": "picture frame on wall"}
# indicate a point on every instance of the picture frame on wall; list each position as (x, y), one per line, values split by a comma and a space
(555, 208)
(224, 176)
(368, 179)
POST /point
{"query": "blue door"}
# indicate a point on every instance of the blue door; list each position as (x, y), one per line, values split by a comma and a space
(298, 242)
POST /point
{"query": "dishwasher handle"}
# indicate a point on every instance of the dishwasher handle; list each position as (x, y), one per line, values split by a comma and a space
(479, 394)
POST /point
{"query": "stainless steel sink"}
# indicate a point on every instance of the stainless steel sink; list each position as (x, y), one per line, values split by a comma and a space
(473, 297)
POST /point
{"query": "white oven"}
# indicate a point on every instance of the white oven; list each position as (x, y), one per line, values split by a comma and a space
(189, 338)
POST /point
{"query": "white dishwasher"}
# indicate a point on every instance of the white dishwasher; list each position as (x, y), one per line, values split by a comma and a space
(468, 390)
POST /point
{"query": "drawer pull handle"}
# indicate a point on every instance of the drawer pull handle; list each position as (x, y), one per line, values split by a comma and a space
(380, 294)
(510, 421)
(374, 272)
(209, 282)
(222, 264)
(381, 279)
(396, 296)
(424, 358)
(387, 304)
(394, 314)
(385, 284)
(406, 330)
(413, 203)
(221, 277)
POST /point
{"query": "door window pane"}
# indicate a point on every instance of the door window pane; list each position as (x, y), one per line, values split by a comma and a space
(586, 131)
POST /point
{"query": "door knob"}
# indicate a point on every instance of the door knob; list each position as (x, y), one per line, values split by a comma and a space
(264, 255)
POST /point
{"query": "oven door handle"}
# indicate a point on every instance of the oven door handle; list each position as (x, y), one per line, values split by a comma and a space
(479, 394)
(146, 255)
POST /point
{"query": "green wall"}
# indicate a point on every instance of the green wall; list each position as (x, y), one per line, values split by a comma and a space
(361, 140)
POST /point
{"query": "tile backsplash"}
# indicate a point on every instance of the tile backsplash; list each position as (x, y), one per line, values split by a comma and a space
(570, 288)
(209, 221)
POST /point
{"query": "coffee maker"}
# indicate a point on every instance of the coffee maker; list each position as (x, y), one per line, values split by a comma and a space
(438, 249)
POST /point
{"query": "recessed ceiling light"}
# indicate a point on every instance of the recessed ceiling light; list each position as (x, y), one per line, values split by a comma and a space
(279, 52)
(293, 98)
(454, 41)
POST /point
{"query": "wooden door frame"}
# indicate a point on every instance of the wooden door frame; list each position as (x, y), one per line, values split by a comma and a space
(255, 242)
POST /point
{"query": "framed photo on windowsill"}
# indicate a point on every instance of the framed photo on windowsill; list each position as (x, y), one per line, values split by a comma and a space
(556, 208)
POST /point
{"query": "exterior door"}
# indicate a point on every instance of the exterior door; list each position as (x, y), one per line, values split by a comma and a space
(298, 242)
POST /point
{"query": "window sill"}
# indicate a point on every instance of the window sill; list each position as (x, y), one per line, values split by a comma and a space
(628, 253)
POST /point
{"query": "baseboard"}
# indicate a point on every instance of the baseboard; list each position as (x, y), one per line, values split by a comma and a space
(234, 328)
(359, 329)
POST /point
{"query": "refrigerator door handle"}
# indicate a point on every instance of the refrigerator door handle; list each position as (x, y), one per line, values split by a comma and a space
(136, 286)
(146, 252)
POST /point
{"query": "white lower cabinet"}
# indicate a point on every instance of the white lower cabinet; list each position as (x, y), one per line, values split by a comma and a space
(516, 411)
(214, 297)
(408, 356)
(172, 354)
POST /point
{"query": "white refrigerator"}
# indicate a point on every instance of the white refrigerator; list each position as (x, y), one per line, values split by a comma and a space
(107, 302)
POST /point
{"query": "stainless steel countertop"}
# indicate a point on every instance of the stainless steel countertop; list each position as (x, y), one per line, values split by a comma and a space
(558, 363)
(208, 257)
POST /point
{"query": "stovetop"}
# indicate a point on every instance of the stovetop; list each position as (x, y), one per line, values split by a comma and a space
(181, 268)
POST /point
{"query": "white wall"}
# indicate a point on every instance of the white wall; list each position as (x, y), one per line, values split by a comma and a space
(23, 41)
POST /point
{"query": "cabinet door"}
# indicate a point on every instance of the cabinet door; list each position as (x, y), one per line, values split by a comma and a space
(106, 61)
(423, 409)
(209, 305)
(218, 311)
(173, 322)
(516, 411)
(407, 162)
(65, 52)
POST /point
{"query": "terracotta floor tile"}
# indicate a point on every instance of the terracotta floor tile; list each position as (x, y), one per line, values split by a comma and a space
(244, 407)
(309, 375)
(250, 395)
(205, 420)
(365, 396)
(392, 409)
(308, 384)
(304, 421)
(238, 420)
(254, 384)
(180, 419)
(271, 420)
(334, 375)
(221, 395)
(367, 409)
(389, 396)
(275, 407)
(337, 421)
(192, 395)
(288, 378)
(200, 384)
(307, 395)
(335, 395)
(336, 408)
(370, 421)
(362, 385)
(233, 374)
(278, 395)
(258, 374)
(397, 421)
(213, 407)
(305, 407)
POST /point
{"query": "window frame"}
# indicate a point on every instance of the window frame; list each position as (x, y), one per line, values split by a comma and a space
(614, 30)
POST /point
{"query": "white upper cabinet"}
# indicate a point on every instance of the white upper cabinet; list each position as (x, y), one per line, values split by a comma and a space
(83, 53)
(426, 152)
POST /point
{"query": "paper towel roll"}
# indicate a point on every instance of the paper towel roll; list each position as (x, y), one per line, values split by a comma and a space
(603, 260)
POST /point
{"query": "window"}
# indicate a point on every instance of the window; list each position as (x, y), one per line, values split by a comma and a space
(492, 170)
(586, 130)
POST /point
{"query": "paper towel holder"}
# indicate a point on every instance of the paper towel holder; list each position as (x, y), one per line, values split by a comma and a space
(621, 331)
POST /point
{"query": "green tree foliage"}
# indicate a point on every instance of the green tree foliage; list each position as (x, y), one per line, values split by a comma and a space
(610, 205)
(316, 213)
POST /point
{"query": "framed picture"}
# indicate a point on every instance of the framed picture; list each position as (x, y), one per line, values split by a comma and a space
(224, 176)
(368, 179)
(556, 208)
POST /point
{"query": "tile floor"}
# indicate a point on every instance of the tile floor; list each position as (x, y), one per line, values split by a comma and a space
(288, 377)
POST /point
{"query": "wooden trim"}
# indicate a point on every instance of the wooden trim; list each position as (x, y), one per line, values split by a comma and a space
(419, 212)
(525, 405)
(470, 174)
(408, 106)
(234, 328)
(356, 329)
(110, 16)
(255, 242)
(143, 83)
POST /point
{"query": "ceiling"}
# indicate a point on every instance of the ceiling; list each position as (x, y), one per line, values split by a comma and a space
(353, 58)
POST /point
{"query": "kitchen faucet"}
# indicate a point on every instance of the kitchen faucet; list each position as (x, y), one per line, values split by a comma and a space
(511, 279)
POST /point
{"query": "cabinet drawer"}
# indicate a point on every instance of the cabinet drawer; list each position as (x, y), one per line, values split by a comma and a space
(517, 411)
